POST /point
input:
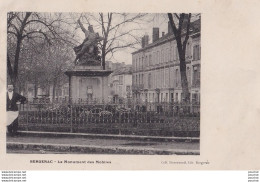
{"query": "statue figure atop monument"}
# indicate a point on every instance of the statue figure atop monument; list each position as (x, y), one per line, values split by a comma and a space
(87, 53)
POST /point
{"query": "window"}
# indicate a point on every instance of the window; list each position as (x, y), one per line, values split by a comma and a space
(161, 97)
(162, 56)
(194, 97)
(172, 99)
(196, 52)
(149, 80)
(158, 57)
(176, 78)
(188, 75)
(167, 77)
(171, 54)
(176, 97)
(167, 55)
(120, 90)
(154, 58)
(121, 79)
(188, 48)
(196, 76)
(166, 99)
(176, 54)
(128, 88)
(162, 77)
(150, 59)
(142, 64)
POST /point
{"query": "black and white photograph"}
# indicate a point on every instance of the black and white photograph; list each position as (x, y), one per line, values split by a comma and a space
(103, 83)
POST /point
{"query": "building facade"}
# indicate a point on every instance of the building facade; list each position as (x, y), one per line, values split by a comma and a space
(121, 82)
(156, 67)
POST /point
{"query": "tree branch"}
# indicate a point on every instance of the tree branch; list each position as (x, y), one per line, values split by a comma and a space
(187, 33)
(173, 26)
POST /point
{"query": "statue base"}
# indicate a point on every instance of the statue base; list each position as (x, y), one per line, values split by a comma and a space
(85, 67)
(89, 83)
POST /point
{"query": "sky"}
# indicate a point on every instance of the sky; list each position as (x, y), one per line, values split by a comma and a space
(143, 26)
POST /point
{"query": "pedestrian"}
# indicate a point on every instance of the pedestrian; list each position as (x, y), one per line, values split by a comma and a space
(12, 100)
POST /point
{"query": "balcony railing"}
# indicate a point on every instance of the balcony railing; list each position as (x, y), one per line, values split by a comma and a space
(196, 84)
(138, 87)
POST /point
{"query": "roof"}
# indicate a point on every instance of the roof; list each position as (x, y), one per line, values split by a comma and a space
(169, 36)
(123, 70)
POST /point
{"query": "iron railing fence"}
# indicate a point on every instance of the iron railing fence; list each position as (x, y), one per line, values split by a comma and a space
(161, 119)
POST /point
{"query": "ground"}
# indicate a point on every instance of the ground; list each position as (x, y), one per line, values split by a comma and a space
(92, 144)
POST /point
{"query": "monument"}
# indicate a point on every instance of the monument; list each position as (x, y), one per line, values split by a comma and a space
(87, 80)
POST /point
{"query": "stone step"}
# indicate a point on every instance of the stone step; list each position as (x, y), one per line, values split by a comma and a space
(107, 136)
(92, 149)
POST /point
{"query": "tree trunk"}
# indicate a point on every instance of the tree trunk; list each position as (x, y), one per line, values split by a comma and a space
(53, 91)
(182, 51)
(35, 87)
(16, 61)
(103, 61)
(10, 69)
(104, 54)
(184, 81)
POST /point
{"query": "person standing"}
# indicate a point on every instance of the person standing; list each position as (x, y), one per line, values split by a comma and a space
(12, 100)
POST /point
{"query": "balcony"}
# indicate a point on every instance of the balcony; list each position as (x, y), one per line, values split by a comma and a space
(138, 87)
(196, 84)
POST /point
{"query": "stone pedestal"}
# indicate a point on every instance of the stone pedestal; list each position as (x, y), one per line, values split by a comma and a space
(88, 83)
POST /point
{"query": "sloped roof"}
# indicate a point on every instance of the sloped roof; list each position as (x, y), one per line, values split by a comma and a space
(169, 36)
(123, 70)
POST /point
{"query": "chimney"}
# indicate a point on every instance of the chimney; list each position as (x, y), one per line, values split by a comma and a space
(163, 33)
(169, 28)
(146, 40)
(143, 42)
(155, 34)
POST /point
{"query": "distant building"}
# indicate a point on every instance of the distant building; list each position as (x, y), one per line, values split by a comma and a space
(61, 93)
(121, 82)
(114, 66)
(156, 72)
(108, 65)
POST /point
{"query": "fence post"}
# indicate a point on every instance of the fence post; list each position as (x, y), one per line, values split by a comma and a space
(71, 118)
(27, 110)
(119, 122)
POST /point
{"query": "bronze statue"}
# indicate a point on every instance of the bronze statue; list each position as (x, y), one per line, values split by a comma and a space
(88, 50)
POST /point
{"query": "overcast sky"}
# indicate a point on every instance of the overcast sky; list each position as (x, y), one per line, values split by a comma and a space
(145, 27)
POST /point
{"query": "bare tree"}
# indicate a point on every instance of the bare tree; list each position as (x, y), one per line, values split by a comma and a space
(43, 66)
(181, 29)
(33, 27)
